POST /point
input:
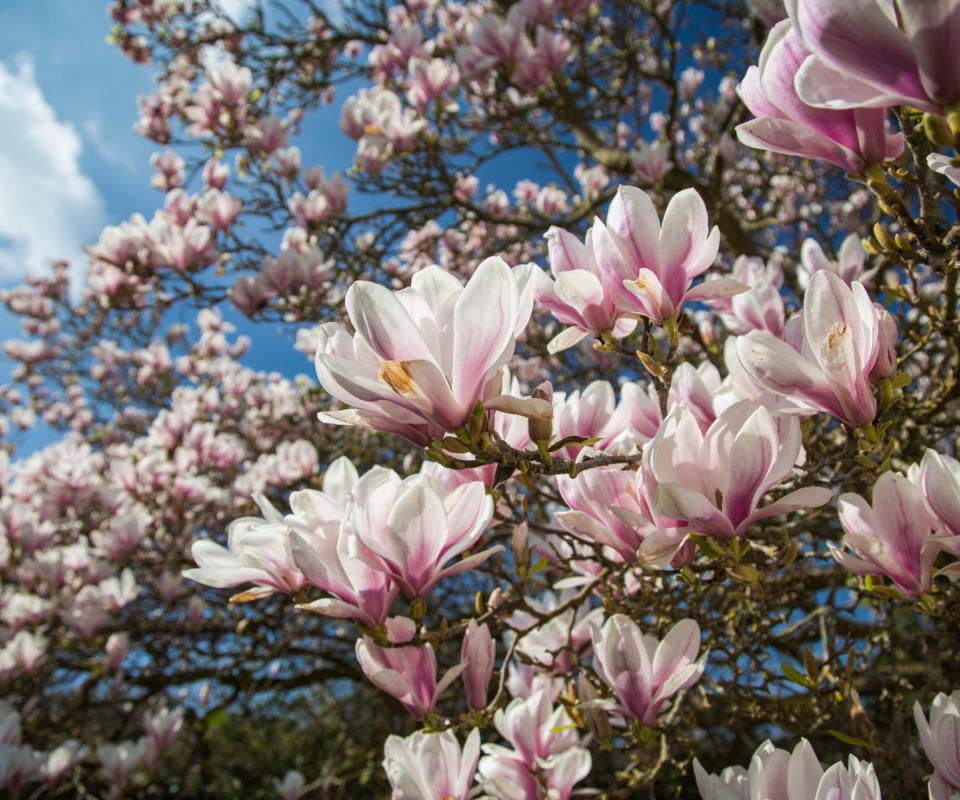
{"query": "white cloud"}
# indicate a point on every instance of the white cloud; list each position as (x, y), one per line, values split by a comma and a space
(48, 207)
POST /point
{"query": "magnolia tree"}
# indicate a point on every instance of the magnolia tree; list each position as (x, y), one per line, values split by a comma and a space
(628, 469)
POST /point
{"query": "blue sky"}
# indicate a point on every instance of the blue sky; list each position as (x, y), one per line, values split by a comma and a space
(70, 162)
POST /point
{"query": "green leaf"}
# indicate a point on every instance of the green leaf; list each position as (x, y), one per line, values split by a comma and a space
(846, 738)
(216, 718)
(794, 675)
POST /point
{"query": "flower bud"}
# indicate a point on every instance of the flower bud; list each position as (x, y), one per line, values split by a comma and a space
(479, 653)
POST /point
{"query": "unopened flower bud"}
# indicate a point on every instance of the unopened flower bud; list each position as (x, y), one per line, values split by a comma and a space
(521, 548)
(540, 427)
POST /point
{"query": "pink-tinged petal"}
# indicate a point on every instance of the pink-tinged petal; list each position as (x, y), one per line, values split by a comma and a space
(337, 609)
(339, 479)
(683, 678)
(795, 139)
(469, 511)
(683, 230)
(566, 252)
(652, 300)
(435, 286)
(380, 318)
(567, 338)
(483, 321)
(585, 526)
(803, 772)
(532, 407)
(466, 564)
(823, 86)
(714, 289)
(807, 497)
(633, 218)
(852, 564)
(449, 677)
(426, 388)
(940, 477)
(677, 649)
(749, 460)
(934, 29)
(777, 76)
(859, 38)
(833, 326)
(682, 503)
(660, 548)
(415, 536)
(754, 98)
(776, 366)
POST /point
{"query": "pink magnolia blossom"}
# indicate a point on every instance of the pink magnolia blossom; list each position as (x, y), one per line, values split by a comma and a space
(478, 652)
(291, 787)
(604, 508)
(713, 481)
(407, 673)
(556, 644)
(872, 54)
(594, 413)
(642, 672)
(423, 357)
(777, 774)
(506, 777)
(320, 547)
(849, 264)
(785, 124)
(431, 766)
(939, 478)
(258, 552)
(829, 352)
(409, 529)
(761, 308)
(895, 537)
(939, 736)
(534, 728)
(582, 294)
(632, 266)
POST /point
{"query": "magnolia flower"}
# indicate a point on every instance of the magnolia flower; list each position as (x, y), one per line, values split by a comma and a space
(786, 124)
(849, 264)
(479, 653)
(582, 295)
(506, 777)
(713, 482)
(407, 673)
(829, 353)
(605, 508)
(872, 55)
(939, 478)
(594, 413)
(939, 737)
(408, 529)
(423, 357)
(431, 766)
(257, 551)
(291, 787)
(895, 537)
(946, 166)
(534, 728)
(120, 760)
(777, 774)
(642, 672)
(555, 644)
(632, 267)
(760, 308)
(320, 547)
